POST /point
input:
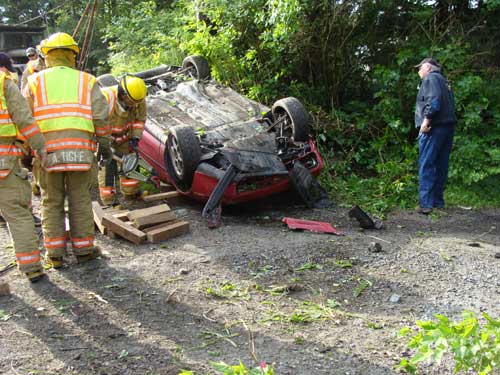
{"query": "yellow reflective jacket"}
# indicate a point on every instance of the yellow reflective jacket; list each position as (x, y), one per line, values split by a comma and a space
(16, 124)
(62, 105)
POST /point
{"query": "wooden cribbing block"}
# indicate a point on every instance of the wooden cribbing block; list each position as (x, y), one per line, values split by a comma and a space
(147, 221)
(132, 215)
(124, 230)
(98, 214)
(161, 196)
(160, 226)
(122, 215)
(172, 230)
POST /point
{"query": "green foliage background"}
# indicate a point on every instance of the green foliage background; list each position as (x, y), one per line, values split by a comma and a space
(350, 62)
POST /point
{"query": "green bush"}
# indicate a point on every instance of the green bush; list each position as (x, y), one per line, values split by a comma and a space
(472, 345)
(352, 64)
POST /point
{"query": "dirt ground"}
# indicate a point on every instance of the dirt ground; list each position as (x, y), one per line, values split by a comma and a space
(253, 290)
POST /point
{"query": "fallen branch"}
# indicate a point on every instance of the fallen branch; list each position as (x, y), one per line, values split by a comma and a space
(70, 349)
(207, 318)
(12, 368)
(98, 297)
(7, 268)
(251, 342)
(380, 239)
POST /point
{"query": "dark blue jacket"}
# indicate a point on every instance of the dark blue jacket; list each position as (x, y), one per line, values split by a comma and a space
(435, 101)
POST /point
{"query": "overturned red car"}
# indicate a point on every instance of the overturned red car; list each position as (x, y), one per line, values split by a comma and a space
(201, 136)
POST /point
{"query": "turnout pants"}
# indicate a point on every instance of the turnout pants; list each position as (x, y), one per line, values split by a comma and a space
(434, 154)
(14, 204)
(75, 186)
(129, 187)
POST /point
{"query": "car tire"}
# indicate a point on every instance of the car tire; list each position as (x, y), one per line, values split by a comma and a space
(296, 123)
(183, 154)
(107, 80)
(198, 64)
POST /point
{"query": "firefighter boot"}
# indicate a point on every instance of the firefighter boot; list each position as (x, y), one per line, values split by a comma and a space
(35, 276)
(54, 262)
(96, 252)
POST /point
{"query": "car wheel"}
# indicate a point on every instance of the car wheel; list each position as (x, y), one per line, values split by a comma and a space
(198, 65)
(106, 80)
(183, 155)
(295, 118)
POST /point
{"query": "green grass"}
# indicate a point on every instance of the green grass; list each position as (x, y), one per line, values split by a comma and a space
(480, 195)
(378, 195)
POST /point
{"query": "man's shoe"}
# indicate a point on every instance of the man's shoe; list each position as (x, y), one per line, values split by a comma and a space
(96, 253)
(424, 210)
(35, 276)
(54, 262)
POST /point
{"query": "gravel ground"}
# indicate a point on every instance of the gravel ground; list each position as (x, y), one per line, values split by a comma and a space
(252, 290)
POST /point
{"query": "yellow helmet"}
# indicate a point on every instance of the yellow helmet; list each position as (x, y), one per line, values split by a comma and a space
(59, 41)
(134, 87)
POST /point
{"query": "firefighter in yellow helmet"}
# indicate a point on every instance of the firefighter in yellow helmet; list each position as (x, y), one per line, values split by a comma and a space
(127, 115)
(16, 120)
(72, 114)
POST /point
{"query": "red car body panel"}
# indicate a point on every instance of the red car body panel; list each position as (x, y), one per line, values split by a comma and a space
(152, 150)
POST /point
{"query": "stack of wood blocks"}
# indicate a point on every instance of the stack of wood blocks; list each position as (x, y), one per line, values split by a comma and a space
(152, 224)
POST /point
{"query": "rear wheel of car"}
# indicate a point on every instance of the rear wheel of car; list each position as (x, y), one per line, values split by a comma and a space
(183, 155)
(197, 65)
(294, 119)
(106, 80)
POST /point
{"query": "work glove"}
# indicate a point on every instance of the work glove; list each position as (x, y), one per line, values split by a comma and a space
(42, 155)
(133, 143)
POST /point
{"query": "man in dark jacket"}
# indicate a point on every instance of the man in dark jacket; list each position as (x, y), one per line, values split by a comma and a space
(435, 117)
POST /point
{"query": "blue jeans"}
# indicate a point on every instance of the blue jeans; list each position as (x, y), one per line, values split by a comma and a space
(434, 150)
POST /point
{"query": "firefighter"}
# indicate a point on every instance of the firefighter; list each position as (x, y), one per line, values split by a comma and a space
(16, 120)
(72, 114)
(127, 115)
(7, 67)
(35, 64)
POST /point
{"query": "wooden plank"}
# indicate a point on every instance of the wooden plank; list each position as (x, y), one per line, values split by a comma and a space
(132, 215)
(98, 214)
(147, 221)
(159, 226)
(123, 229)
(161, 196)
(167, 232)
(122, 215)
